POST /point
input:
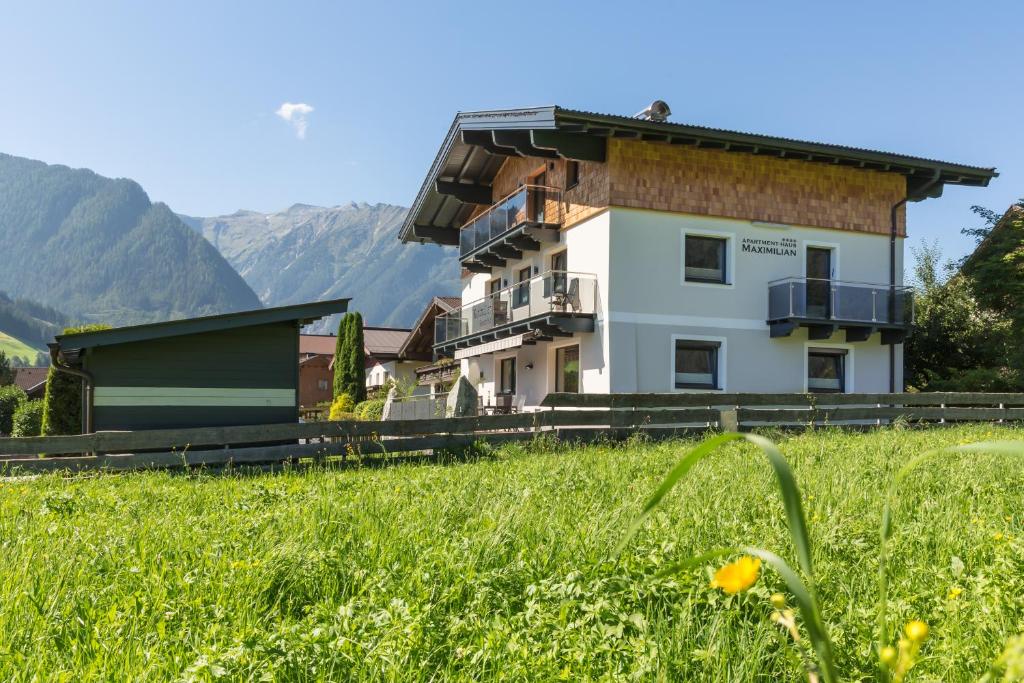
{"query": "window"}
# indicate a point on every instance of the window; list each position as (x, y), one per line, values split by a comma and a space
(494, 286)
(508, 376)
(321, 384)
(567, 369)
(705, 259)
(826, 370)
(572, 174)
(696, 364)
(522, 293)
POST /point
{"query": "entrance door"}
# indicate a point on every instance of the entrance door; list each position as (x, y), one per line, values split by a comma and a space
(567, 369)
(537, 197)
(819, 282)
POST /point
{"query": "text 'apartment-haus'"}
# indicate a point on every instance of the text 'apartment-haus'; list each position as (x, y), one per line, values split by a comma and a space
(630, 254)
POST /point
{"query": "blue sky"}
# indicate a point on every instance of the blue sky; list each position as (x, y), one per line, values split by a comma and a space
(182, 96)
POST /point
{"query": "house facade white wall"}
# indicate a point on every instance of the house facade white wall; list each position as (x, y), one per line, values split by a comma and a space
(587, 246)
(643, 304)
(651, 305)
(402, 371)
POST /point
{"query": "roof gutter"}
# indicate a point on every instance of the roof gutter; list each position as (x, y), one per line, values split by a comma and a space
(87, 383)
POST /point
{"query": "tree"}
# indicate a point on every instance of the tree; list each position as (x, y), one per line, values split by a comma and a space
(6, 372)
(350, 358)
(62, 405)
(956, 344)
(28, 419)
(357, 358)
(11, 398)
(996, 268)
(340, 354)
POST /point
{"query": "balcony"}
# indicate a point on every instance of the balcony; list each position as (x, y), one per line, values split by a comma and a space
(554, 304)
(520, 222)
(824, 306)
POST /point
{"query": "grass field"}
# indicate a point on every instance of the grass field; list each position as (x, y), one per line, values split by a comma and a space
(16, 348)
(499, 568)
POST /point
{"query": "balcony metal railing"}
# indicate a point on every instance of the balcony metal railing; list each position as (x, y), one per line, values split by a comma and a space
(537, 204)
(817, 299)
(555, 291)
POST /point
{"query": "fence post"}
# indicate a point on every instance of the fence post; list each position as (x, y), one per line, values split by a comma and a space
(728, 420)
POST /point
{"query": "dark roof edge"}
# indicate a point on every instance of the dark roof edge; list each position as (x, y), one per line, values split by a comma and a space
(304, 313)
(669, 127)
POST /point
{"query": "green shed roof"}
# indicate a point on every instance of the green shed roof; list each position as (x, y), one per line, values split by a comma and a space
(302, 313)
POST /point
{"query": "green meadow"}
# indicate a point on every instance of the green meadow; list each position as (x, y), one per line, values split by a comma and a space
(501, 566)
(15, 348)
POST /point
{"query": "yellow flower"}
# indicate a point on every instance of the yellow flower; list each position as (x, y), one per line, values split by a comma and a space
(954, 593)
(888, 655)
(778, 600)
(916, 630)
(737, 576)
(997, 536)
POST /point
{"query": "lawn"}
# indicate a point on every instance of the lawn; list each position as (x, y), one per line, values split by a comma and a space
(501, 568)
(15, 348)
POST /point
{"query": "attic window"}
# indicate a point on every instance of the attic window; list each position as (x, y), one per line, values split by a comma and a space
(572, 174)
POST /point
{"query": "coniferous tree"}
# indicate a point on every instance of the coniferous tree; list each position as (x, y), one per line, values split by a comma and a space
(341, 354)
(358, 359)
(6, 373)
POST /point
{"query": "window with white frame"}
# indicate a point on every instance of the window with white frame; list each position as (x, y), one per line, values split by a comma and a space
(705, 259)
(697, 364)
(826, 370)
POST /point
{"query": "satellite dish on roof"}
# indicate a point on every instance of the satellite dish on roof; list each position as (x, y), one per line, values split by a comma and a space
(657, 111)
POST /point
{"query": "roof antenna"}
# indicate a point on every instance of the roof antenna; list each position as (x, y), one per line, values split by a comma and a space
(657, 111)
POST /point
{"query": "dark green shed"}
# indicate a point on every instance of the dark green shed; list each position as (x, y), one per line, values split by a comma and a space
(232, 369)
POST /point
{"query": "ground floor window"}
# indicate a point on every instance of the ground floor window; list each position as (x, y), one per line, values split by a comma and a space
(567, 369)
(696, 364)
(508, 376)
(705, 259)
(826, 370)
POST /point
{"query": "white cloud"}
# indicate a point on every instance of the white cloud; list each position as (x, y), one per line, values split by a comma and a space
(295, 113)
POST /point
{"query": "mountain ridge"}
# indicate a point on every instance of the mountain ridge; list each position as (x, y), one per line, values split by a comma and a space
(307, 252)
(98, 249)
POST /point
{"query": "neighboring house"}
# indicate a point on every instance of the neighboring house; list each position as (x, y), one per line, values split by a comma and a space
(32, 381)
(607, 253)
(316, 377)
(383, 362)
(438, 373)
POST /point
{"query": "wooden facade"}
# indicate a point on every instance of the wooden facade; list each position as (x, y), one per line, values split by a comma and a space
(246, 375)
(683, 179)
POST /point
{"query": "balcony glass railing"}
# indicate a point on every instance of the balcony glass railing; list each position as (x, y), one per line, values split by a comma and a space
(552, 292)
(814, 299)
(529, 204)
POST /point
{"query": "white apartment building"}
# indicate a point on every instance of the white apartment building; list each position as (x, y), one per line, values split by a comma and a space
(630, 254)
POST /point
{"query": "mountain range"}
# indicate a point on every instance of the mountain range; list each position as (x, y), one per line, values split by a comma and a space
(306, 253)
(97, 249)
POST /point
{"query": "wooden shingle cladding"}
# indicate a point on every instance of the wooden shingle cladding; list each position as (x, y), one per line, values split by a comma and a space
(681, 179)
(240, 376)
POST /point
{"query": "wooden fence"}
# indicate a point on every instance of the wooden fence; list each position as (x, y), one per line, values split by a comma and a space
(565, 416)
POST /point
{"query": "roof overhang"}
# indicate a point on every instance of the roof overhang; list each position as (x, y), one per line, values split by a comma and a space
(303, 314)
(478, 143)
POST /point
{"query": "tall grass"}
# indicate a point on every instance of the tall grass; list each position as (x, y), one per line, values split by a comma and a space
(500, 569)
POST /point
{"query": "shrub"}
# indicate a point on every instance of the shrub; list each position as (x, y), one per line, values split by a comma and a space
(11, 398)
(62, 407)
(372, 410)
(342, 405)
(28, 419)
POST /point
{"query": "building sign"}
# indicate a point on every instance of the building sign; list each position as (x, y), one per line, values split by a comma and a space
(780, 247)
